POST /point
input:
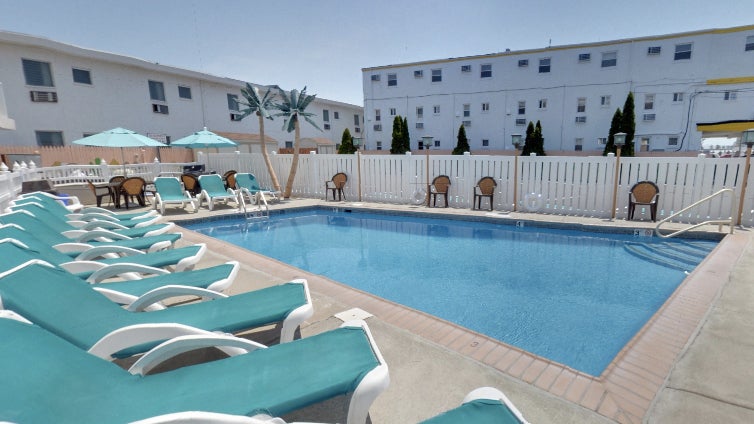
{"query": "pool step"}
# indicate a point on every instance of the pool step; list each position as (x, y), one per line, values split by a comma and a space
(683, 256)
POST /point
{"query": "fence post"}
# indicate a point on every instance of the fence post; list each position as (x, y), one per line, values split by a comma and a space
(358, 172)
(515, 181)
(747, 168)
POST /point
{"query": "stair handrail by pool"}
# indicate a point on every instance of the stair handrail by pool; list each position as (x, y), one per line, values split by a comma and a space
(719, 222)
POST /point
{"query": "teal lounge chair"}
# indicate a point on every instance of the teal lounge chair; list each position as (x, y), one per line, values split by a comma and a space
(213, 189)
(170, 192)
(88, 213)
(26, 219)
(485, 405)
(44, 212)
(46, 379)
(140, 293)
(247, 185)
(67, 306)
(108, 259)
(92, 239)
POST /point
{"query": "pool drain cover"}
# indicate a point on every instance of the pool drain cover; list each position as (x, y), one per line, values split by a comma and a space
(353, 314)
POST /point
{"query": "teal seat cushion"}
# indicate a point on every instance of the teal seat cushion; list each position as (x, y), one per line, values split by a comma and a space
(480, 411)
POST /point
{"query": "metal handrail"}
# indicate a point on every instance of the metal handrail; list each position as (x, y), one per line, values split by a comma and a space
(262, 205)
(719, 222)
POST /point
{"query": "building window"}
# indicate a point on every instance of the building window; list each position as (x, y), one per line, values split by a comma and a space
(232, 102)
(392, 111)
(436, 109)
(336, 114)
(543, 103)
(420, 125)
(581, 105)
(288, 144)
(327, 126)
(377, 127)
(649, 117)
(544, 65)
(581, 119)
(37, 73)
(156, 91)
(486, 71)
(377, 116)
(356, 120)
(578, 145)
(375, 78)
(604, 101)
(609, 59)
(602, 141)
(184, 92)
(436, 75)
(49, 138)
(466, 110)
(357, 130)
(392, 80)
(465, 68)
(520, 122)
(730, 95)
(749, 43)
(325, 115)
(654, 50)
(419, 112)
(82, 76)
(672, 141)
(523, 63)
(522, 108)
(163, 109)
(677, 97)
(485, 142)
(649, 101)
(682, 51)
(437, 143)
(485, 107)
(418, 74)
(585, 57)
(466, 123)
(378, 145)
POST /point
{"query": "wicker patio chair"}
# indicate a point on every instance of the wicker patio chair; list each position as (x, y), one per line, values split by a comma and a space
(336, 185)
(485, 187)
(644, 193)
(439, 187)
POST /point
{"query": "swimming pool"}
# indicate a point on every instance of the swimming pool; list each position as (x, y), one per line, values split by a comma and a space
(573, 297)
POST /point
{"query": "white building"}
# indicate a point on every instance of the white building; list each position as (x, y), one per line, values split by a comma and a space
(686, 86)
(57, 93)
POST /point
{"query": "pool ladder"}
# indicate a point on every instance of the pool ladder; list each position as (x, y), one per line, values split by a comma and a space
(719, 222)
(260, 211)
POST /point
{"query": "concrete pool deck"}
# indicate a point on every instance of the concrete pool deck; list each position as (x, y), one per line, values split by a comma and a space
(688, 364)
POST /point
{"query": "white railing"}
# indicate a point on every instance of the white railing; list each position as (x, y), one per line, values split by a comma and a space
(570, 186)
(720, 222)
(564, 185)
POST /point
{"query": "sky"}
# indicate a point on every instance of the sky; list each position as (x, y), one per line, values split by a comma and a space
(324, 44)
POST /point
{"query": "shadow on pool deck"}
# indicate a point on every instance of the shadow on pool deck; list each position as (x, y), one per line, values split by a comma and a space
(689, 365)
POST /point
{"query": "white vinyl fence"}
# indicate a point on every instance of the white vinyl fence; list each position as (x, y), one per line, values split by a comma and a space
(575, 186)
(563, 185)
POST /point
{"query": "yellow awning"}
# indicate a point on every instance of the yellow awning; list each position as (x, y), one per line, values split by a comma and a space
(731, 126)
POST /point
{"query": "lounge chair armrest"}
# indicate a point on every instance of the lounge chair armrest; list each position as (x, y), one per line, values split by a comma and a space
(196, 417)
(298, 315)
(90, 217)
(494, 394)
(95, 209)
(166, 292)
(93, 225)
(98, 235)
(101, 251)
(6, 314)
(373, 383)
(139, 334)
(72, 247)
(113, 270)
(175, 346)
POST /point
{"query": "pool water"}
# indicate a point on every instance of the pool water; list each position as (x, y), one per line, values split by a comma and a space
(574, 297)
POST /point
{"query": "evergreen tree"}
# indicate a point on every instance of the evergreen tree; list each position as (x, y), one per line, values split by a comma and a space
(396, 146)
(463, 142)
(539, 140)
(406, 136)
(628, 125)
(528, 140)
(346, 144)
(614, 128)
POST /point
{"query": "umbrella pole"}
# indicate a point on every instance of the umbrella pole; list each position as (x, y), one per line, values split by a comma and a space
(123, 161)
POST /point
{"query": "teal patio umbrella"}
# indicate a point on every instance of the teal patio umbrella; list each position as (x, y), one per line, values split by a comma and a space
(119, 137)
(203, 139)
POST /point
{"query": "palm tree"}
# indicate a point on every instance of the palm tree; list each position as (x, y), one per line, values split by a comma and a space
(260, 106)
(291, 108)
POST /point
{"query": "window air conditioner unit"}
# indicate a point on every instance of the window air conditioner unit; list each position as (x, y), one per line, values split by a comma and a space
(44, 96)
